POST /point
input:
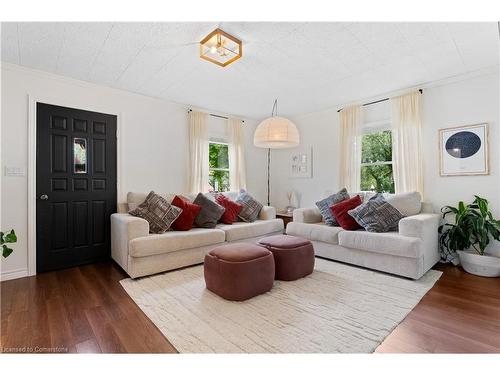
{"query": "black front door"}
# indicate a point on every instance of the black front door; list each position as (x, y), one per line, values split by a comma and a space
(75, 185)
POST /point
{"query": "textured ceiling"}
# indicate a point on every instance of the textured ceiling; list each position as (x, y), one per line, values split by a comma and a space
(308, 66)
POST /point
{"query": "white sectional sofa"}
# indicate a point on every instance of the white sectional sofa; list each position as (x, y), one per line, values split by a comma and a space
(140, 253)
(409, 252)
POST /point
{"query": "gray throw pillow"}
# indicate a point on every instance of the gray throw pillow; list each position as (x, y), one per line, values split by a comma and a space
(377, 215)
(325, 204)
(210, 212)
(158, 212)
(250, 207)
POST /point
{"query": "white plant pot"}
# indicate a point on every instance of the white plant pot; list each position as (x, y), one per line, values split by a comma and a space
(481, 265)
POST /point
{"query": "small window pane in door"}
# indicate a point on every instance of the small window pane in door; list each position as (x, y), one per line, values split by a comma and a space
(80, 155)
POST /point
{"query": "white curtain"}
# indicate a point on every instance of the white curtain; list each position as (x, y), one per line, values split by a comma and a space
(406, 126)
(198, 153)
(237, 173)
(350, 148)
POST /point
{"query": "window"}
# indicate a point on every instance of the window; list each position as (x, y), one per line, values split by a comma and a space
(218, 166)
(376, 162)
(79, 155)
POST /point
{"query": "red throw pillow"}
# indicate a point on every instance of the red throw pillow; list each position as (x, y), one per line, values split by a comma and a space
(340, 211)
(189, 212)
(230, 215)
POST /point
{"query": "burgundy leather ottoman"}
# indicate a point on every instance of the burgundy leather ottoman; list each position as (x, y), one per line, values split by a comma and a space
(239, 271)
(293, 256)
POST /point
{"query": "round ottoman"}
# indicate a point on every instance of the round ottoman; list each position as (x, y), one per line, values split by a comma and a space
(293, 256)
(239, 271)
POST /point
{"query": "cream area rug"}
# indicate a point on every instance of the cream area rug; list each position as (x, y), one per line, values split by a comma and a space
(336, 309)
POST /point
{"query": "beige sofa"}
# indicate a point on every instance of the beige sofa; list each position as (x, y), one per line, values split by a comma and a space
(140, 253)
(409, 252)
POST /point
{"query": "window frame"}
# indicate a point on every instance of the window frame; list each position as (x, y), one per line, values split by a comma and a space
(218, 142)
(377, 163)
(373, 128)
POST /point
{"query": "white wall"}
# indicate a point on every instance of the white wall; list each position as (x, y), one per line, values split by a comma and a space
(469, 101)
(152, 140)
(320, 131)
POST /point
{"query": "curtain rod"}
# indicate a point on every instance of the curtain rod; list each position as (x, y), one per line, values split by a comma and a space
(377, 101)
(214, 115)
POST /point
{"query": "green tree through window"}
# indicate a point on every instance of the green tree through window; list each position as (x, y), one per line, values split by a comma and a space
(376, 162)
(218, 163)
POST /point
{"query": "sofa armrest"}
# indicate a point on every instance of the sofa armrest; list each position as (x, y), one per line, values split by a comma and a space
(307, 215)
(267, 213)
(420, 226)
(125, 227)
(425, 227)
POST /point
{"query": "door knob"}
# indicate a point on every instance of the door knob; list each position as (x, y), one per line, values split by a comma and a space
(44, 197)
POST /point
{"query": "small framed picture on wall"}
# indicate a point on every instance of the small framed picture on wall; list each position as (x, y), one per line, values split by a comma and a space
(301, 163)
(464, 150)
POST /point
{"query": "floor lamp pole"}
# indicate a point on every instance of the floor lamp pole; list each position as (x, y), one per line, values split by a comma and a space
(268, 169)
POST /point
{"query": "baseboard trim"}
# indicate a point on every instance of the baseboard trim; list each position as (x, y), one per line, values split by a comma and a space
(14, 274)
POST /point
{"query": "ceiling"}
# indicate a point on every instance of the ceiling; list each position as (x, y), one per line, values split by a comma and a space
(307, 66)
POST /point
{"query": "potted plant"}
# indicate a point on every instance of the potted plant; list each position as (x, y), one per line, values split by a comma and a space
(470, 235)
(6, 238)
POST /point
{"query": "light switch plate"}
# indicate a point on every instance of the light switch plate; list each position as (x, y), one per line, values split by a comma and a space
(15, 171)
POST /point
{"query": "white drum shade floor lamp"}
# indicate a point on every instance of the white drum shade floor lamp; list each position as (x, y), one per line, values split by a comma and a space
(273, 133)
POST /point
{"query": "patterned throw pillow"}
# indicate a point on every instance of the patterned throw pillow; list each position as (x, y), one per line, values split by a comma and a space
(251, 208)
(325, 204)
(232, 209)
(158, 212)
(376, 215)
(210, 212)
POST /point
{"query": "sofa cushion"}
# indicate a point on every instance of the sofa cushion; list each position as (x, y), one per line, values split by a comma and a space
(210, 212)
(390, 243)
(250, 207)
(340, 212)
(189, 212)
(241, 230)
(377, 215)
(231, 209)
(314, 232)
(408, 204)
(158, 212)
(267, 213)
(171, 241)
(325, 204)
(307, 215)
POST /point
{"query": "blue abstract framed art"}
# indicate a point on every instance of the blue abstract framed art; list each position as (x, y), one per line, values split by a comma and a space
(464, 150)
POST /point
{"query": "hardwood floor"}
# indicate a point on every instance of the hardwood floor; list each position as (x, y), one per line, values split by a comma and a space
(85, 310)
(460, 314)
(81, 309)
